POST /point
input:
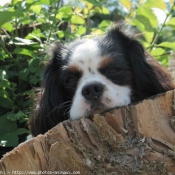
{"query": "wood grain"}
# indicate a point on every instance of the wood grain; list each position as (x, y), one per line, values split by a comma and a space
(136, 139)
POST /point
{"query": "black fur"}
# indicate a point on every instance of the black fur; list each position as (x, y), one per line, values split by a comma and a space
(145, 77)
(51, 95)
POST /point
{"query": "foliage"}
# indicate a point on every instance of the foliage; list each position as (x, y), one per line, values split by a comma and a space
(28, 27)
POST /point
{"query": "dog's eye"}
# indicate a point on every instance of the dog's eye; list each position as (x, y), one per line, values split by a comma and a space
(113, 71)
(70, 79)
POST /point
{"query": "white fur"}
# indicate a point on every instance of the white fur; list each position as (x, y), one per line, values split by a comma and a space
(89, 53)
(87, 56)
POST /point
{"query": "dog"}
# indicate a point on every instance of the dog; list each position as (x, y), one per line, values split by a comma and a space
(90, 75)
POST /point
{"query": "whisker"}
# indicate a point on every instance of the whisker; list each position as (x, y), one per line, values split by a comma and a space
(136, 92)
(59, 107)
(67, 111)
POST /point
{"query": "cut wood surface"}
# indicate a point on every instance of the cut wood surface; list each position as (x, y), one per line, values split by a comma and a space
(136, 139)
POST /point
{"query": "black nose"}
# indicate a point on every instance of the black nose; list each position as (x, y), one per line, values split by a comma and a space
(93, 91)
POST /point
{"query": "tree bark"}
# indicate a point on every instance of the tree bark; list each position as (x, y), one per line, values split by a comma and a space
(136, 139)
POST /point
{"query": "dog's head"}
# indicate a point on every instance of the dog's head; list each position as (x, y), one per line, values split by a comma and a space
(91, 75)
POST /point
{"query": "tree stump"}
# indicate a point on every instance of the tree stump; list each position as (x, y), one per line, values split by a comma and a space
(171, 68)
(136, 139)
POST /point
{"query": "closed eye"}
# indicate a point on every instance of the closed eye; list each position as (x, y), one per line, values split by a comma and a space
(110, 70)
(113, 71)
(118, 75)
(70, 83)
(70, 79)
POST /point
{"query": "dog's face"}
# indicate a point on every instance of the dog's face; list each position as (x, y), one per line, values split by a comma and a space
(95, 78)
(88, 76)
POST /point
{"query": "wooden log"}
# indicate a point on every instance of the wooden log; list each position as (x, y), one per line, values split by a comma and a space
(136, 139)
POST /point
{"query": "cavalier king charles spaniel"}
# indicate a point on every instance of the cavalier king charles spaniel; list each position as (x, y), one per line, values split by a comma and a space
(90, 75)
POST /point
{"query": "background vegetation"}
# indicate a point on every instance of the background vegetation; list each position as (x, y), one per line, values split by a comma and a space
(27, 27)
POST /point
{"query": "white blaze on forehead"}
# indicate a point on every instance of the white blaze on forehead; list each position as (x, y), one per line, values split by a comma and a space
(86, 55)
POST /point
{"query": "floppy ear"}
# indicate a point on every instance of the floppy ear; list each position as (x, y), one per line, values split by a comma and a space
(50, 97)
(149, 77)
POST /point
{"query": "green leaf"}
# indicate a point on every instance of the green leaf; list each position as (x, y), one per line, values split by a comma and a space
(144, 43)
(24, 74)
(105, 24)
(171, 22)
(137, 22)
(24, 52)
(34, 65)
(38, 2)
(80, 30)
(64, 12)
(65, 9)
(33, 79)
(95, 3)
(42, 2)
(7, 16)
(60, 34)
(126, 3)
(97, 31)
(86, 11)
(95, 10)
(20, 131)
(163, 59)
(36, 34)
(14, 2)
(76, 19)
(4, 84)
(4, 93)
(61, 15)
(156, 4)
(6, 102)
(105, 11)
(36, 8)
(147, 17)
(78, 10)
(6, 125)
(17, 116)
(157, 52)
(8, 26)
(148, 36)
(167, 44)
(145, 20)
(88, 7)
(9, 140)
(31, 1)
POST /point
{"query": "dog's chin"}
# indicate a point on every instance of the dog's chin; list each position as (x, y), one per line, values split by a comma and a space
(96, 109)
(88, 110)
